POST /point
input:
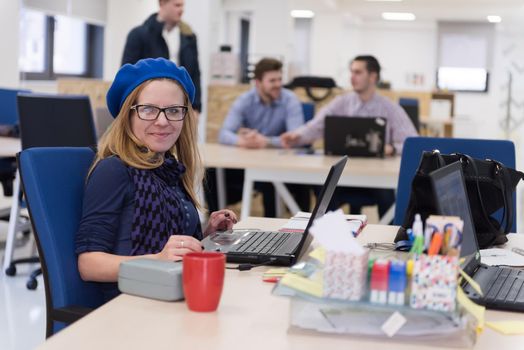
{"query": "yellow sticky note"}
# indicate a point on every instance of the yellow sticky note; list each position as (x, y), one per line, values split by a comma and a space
(476, 310)
(276, 271)
(319, 254)
(507, 327)
(471, 282)
(303, 284)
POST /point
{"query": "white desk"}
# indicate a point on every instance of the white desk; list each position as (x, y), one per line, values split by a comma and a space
(285, 166)
(248, 317)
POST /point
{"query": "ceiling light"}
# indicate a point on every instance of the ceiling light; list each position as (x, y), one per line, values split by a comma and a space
(383, 0)
(494, 19)
(398, 16)
(302, 14)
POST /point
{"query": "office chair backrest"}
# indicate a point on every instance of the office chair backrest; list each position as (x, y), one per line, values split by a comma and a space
(500, 150)
(56, 121)
(53, 181)
(308, 109)
(9, 107)
(411, 106)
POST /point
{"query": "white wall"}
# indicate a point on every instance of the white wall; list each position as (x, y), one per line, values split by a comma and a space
(329, 59)
(271, 29)
(122, 16)
(402, 50)
(9, 26)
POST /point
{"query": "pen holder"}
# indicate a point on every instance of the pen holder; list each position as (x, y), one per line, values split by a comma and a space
(434, 282)
(345, 275)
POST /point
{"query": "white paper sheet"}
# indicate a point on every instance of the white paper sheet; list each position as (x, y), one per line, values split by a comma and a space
(501, 257)
(334, 233)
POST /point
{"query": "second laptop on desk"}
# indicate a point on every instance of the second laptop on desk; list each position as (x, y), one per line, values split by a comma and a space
(354, 136)
(502, 287)
(275, 248)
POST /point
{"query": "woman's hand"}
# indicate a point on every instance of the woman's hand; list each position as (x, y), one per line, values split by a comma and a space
(177, 246)
(220, 220)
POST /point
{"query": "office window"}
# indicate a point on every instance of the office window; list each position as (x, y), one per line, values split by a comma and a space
(32, 41)
(55, 46)
(465, 56)
(70, 56)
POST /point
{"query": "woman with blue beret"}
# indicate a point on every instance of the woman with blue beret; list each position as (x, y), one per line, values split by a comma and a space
(140, 198)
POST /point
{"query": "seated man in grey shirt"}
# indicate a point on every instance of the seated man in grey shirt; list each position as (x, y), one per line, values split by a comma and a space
(362, 102)
(256, 120)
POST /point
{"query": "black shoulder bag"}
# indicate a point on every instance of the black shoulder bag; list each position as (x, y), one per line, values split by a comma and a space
(490, 186)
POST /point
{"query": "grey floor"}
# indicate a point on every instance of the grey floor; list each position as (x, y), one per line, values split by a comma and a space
(22, 311)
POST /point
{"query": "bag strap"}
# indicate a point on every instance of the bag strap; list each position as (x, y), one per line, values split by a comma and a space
(317, 98)
(505, 184)
(466, 159)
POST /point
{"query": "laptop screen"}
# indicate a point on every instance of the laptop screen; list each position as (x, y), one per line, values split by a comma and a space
(451, 197)
(324, 198)
(354, 136)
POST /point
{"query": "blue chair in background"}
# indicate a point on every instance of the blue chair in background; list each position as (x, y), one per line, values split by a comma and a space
(308, 108)
(8, 127)
(500, 150)
(411, 106)
(53, 181)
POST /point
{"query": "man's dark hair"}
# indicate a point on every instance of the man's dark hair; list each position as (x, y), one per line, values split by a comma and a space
(266, 65)
(372, 64)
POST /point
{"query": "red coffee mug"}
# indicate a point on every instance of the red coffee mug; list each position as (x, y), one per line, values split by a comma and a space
(203, 279)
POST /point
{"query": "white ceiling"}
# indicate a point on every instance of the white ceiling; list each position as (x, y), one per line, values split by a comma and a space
(467, 10)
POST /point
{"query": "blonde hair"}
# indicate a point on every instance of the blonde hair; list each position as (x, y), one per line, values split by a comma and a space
(120, 141)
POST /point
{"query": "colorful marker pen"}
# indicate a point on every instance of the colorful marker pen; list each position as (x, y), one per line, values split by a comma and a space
(436, 244)
(379, 282)
(397, 283)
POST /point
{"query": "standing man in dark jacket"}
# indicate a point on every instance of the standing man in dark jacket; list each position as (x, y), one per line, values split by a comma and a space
(164, 34)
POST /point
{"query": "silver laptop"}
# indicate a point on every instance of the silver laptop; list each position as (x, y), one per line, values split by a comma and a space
(274, 247)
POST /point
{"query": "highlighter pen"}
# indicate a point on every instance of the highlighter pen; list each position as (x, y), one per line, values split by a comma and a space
(448, 235)
(379, 282)
(418, 245)
(397, 283)
(436, 243)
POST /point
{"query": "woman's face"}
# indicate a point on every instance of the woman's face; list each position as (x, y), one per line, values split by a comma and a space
(158, 135)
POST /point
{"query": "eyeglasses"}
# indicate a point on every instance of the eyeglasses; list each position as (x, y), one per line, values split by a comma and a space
(150, 112)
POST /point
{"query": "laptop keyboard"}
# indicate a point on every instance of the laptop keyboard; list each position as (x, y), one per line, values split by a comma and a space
(508, 285)
(263, 242)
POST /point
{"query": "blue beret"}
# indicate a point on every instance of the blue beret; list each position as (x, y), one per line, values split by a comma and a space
(131, 75)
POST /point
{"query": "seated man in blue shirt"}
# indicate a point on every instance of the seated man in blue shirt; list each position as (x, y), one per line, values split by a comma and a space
(256, 120)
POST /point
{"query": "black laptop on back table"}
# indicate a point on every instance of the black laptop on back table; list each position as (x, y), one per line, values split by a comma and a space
(503, 287)
(274, 247)
(354, 136)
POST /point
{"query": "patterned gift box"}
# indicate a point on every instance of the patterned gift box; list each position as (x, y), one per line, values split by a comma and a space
(345, 275)
(434, 282)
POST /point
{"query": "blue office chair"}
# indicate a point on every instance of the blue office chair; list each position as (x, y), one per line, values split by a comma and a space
(49, 121)
(308, 108)
(53, 182)
(411, 106)
(9, 127)
(500, 150)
